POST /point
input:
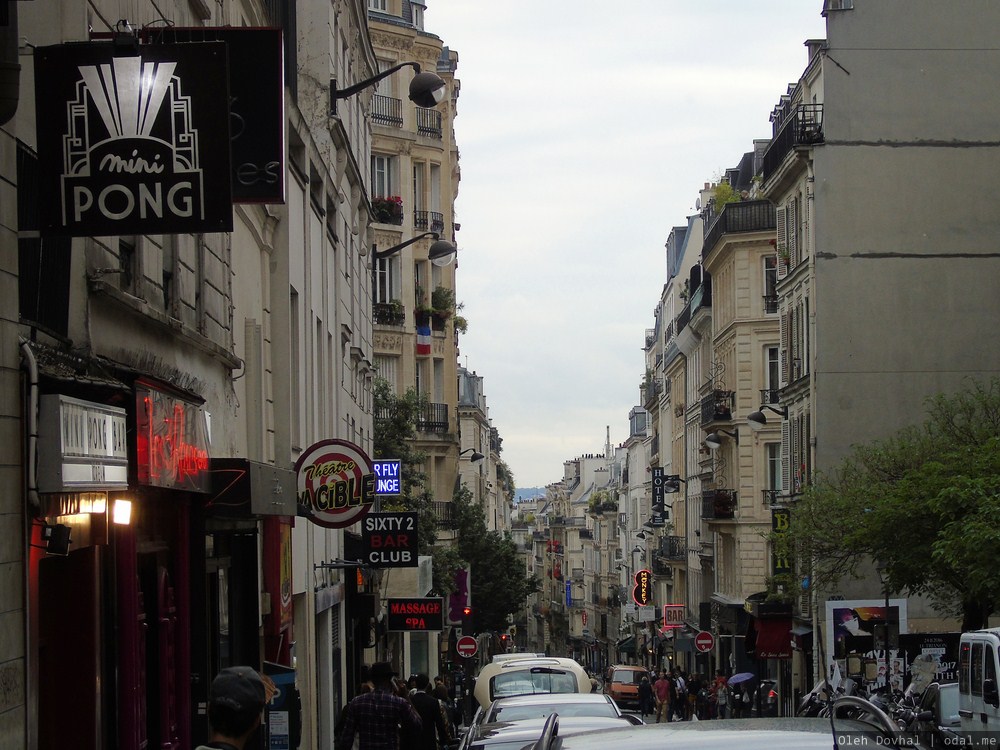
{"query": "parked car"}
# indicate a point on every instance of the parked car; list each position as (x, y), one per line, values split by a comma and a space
(765, 699)
(515, 735)
(521, 707)
(623, 684)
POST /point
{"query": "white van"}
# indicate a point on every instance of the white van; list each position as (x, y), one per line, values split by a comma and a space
(534, 674)
(978, 694)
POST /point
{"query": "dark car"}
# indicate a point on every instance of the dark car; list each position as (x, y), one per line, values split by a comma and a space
(765, 699)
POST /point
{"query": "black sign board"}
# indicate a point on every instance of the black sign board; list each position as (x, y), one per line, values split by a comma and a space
(256, 106)
(133, 144)
(390, 540)
(426, 613)
(658, 478)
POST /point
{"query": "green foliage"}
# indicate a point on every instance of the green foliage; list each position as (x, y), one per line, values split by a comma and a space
(601, 501)
(723, 194)
(923, 501)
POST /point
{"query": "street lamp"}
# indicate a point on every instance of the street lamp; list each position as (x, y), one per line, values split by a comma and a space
(476, 455)
(426, 89)
(757, 419)
(714, 439)
(440, 253)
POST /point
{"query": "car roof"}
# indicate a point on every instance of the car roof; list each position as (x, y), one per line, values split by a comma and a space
(551, 698)
(531, 729)
(789, 733)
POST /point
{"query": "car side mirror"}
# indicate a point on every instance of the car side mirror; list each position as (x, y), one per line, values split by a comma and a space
(990, 693)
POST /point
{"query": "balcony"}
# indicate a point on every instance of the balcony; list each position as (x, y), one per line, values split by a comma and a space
(662, 569)
(388, 209)
(429, 122)
(428, 221)
(718, 505)
(770, 303)
(770, 395)
(717, 407)
(672, 548)
(745, 216)
(444, 512)
(387, 110)
(802, 127)
(388, 314)
(684, 318)
(576, 574)
(433, 418)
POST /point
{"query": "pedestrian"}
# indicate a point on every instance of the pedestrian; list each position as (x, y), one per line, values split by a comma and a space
(680, 695)
(236, 701)
(662, 689)
(721, 696)
(379, 718)
(452, 718)
(434, 733)
(645, 697)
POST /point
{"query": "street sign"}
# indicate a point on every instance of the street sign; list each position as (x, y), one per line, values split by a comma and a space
(466, 646)
(704, 641)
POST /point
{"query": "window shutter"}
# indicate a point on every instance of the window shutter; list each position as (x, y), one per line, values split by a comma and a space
(793, 463)
(804, 239)
(791, 216)
(783, 354)
(781, 241)
(786, 456)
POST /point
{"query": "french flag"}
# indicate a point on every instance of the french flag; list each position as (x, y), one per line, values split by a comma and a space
(423, 339)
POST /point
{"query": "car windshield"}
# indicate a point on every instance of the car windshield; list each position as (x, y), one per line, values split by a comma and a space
(535, 681)
(628, 676)
(518, 713)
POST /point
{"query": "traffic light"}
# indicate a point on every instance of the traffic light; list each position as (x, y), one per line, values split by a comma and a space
(512, 630)
(467, 620)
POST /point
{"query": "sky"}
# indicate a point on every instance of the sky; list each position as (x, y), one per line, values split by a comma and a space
(585, 131)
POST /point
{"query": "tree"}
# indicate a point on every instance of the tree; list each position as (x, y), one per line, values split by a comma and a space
(923, 502)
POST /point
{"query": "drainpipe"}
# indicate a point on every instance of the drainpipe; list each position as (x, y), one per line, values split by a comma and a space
(10, 69)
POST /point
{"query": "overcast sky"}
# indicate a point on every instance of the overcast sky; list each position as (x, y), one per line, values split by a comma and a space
(586, 129)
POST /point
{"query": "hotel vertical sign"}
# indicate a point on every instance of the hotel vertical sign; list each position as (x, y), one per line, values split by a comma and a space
(133, 144)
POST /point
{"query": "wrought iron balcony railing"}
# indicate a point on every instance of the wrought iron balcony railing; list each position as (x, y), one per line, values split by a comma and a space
(802, 127)
(718, 505)
(428, 221)
(387, 314)
(770, 303)
(444, 512)
(672, 548)
(387, 110)
(745, 216)
(770, 395)
(429, 122)
(717, 406)
(433, 418)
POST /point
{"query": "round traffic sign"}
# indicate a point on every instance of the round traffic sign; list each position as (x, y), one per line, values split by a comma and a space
(467, 646)
(704, 641)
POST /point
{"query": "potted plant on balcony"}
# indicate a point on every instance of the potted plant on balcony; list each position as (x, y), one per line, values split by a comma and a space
(388, 209)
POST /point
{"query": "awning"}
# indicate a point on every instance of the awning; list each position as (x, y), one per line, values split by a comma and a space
(769, 638)
(626, 645)
(803, 636)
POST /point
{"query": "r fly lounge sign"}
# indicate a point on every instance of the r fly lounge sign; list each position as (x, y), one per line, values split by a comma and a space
(133, 144)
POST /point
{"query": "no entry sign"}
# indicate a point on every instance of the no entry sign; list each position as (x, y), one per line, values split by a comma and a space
(704, 641)
(466, 646)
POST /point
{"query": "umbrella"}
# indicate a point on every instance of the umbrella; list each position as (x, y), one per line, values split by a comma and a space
(741, 677)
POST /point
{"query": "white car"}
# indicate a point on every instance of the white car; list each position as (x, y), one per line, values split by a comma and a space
(546, 674)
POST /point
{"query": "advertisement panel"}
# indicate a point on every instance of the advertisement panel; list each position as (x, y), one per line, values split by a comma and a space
(335, 483)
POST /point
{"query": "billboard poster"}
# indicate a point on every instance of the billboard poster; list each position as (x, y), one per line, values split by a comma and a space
(135, 143)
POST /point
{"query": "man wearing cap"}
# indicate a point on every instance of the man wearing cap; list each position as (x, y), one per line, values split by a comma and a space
(379, 718)
(235, 704)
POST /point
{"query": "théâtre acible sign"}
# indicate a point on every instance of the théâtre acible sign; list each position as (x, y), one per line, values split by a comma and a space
(133, 144)
(335, 483)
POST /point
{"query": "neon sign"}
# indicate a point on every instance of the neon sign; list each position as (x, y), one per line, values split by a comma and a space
(171, 442)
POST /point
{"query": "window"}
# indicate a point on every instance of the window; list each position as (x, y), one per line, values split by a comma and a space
(773, 374)
(386, 279)
(419, 202)
(128, 263)
(770, 279)
(773, 453)
(379, 5)
(382, 176)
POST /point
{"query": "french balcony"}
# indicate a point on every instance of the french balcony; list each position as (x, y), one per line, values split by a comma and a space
(770, 303)
(433, 418)
(388, 314)
(718, 505)
(741, 217)
(428, 221)
(429, 123)
(662, 569)
(672, 548)
(717, 406)
(802, 127)
(444, 513)
(770, 395)
(387, 110)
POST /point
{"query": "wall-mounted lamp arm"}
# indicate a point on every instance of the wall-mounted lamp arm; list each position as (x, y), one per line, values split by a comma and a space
(476, 455)
(357, 88)
(426, 89)
(714, 440)
(380, 254)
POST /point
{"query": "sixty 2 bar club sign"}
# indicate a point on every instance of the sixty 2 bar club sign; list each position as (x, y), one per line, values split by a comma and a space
(134, 144)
